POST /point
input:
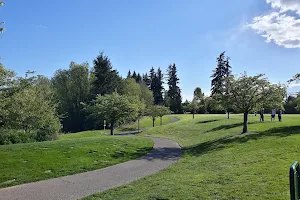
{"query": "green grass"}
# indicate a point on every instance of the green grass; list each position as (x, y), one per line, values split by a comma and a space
(220, 163)
(22, 163)
(146, 123)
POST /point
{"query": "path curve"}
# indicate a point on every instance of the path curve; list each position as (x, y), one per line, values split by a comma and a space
(164, 153)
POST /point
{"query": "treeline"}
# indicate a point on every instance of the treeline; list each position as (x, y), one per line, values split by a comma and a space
(35, 108)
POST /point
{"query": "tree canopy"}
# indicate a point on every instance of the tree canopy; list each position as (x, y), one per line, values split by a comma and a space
(250, 93)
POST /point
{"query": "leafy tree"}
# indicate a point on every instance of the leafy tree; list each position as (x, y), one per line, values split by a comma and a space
(115, 108)
(153, 112)
(290, 105)
(249, 93)
(174, 91)
(218, 83)
(72, 87)
(194, 106)
(106, 80)
(294, 78)
(162, 111)
(131, 88)
(1, 22)
(198, 94)
(146, 96)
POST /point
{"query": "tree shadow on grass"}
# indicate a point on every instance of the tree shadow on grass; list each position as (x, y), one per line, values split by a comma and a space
(207, 121)
(228, 126)
(166, 153)
(221, 143)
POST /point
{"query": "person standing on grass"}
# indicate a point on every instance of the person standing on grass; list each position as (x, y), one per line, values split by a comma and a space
(261, 113)
(279, 115)
(273, 115)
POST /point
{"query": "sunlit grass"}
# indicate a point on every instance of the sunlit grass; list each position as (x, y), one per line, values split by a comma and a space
(220, 163)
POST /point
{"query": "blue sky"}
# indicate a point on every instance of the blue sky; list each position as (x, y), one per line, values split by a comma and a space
(260, 36)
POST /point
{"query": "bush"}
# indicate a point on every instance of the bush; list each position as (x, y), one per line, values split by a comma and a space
(11, 136)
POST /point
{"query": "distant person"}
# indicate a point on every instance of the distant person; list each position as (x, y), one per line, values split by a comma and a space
(279, 115)
(273, 115)
(261, 113)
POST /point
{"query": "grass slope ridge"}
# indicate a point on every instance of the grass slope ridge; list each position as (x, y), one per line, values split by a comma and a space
(220, 163)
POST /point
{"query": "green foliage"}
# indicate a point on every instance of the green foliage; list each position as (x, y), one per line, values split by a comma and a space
(27, 105)
(174, 92)
(157, 111)
(12, 136)
(115, 108)
(72, 86)
(106, 80)
(156, 85)
(249, 93)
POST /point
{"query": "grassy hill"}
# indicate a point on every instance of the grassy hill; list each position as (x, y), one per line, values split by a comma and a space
(220, 163)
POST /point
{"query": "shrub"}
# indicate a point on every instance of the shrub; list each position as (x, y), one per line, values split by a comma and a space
(11, 136)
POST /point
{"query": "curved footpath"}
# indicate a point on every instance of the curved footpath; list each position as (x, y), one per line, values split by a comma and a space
(164, 153)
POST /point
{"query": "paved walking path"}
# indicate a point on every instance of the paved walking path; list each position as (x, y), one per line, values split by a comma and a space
(164, 153)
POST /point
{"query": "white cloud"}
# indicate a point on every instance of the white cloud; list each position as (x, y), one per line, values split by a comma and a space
(294, 85)
(280, 26)
(40, 26)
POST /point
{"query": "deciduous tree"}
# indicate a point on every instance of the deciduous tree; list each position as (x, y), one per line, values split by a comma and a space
(249, 93)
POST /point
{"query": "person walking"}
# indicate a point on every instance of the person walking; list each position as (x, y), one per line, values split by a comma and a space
(261, 113)
(273, 114)
(279, 115)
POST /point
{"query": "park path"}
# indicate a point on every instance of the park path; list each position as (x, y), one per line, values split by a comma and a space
(164, 153)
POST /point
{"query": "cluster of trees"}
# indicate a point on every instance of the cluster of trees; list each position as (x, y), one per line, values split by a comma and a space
(240, 94)
(86, 97)
(27, 108)
(35, 108)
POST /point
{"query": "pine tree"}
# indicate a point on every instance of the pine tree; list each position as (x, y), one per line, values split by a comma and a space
(106, 80)
(134, 75)
(138, 78)
(219, 87)
(160, 88)
(129, 74)
(218, 75)
(156, 85)
(146, 80)
(174, 92)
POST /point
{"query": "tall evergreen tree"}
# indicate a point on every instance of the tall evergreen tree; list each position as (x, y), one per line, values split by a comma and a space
(129, 74)
(218, 75)
(146, 79)
(134, 75)
(156, 85)
(160, 88)
(174, 91)
(138, 78)
(106, 80)
(219, 87)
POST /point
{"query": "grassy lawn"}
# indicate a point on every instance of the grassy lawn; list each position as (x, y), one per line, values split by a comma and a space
(22, 163)
(220, 163)
(146, 123)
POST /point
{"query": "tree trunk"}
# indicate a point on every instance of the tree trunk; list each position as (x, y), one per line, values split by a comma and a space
(227, 114)
(112, 129)
(138, 125)
(245, 126)
(153, 120)
(161, 121)
(193, 115)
